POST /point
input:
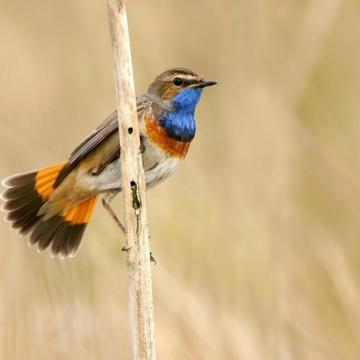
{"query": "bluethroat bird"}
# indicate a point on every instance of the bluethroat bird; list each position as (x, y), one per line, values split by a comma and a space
(55, 204)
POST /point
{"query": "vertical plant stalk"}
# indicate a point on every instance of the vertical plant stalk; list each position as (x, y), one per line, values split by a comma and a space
(133, 189)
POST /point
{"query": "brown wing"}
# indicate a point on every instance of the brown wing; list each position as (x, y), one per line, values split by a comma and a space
(95, 138)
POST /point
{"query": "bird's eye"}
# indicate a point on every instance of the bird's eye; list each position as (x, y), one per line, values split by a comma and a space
(177, 81)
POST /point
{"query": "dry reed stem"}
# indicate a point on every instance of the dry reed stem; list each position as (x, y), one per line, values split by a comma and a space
(133, 188)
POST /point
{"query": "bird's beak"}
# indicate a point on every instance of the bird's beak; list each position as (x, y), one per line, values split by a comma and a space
(206, 83)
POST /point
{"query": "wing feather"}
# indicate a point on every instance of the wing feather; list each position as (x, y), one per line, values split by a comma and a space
(95, 138)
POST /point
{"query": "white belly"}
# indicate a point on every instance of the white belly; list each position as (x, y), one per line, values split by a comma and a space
(161, 171)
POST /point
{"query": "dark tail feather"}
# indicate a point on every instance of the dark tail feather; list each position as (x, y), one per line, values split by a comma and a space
(23, 197)
(22, 201)
(63, 236)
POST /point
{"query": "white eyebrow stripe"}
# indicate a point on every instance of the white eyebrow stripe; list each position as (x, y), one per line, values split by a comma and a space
(186, 77)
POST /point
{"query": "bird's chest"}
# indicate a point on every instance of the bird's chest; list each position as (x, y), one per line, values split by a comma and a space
(160, 138)
(162, 152)
(158, 165)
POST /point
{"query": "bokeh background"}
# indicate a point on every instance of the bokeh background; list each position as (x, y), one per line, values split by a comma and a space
(257, 236)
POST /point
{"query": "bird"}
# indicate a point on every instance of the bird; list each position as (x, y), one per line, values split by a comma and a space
(54, 205)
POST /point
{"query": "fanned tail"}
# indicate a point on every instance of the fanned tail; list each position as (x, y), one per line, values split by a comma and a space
(23, 197)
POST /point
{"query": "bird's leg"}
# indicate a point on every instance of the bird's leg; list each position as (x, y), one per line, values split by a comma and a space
(106, 203)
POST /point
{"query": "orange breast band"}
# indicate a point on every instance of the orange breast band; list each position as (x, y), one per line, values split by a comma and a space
(158, 135)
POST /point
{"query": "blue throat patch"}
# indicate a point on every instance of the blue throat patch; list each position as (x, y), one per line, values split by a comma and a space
(179, 123)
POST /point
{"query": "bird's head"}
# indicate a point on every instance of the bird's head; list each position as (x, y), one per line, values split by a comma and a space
(181, 88)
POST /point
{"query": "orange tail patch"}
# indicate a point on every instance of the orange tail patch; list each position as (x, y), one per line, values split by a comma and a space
(81, 213)
(45, 179)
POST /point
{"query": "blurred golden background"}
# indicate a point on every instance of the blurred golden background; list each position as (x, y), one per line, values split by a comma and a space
(257, 236)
